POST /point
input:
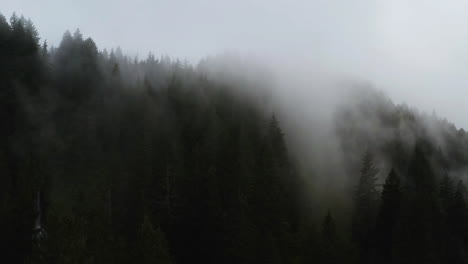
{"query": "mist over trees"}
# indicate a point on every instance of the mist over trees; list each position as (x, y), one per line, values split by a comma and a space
(110, 159)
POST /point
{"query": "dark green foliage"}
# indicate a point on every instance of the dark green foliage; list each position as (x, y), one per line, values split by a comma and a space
(387, 217)
(160, 168)
(366, 202)
(458, 230)
(107, 159)
(419, 228)
(460, 211)
(446, 194)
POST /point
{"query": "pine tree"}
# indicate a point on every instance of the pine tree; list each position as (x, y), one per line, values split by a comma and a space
(455, 228)
(388, 216)
(366, 198)
(446, 193)
(459, 215)
(418, 233)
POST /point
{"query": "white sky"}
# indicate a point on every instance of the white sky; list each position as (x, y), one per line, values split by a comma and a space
(417, 51)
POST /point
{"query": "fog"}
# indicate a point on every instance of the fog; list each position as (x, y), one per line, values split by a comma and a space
(309, 54)
(233, 132)
(414, 51)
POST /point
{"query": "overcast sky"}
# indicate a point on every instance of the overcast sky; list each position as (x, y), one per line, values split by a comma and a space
(416, 51)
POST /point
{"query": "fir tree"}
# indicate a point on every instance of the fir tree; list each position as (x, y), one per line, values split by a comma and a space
(365, 203)
(388, 216)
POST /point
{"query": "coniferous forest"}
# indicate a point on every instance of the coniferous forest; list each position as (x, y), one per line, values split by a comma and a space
(105, 158)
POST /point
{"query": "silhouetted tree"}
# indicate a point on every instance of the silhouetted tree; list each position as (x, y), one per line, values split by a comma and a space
(387, 217)
(110, 159)
(419, 228)
(365, 208)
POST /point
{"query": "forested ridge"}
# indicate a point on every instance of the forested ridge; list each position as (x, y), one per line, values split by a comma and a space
(110, 159)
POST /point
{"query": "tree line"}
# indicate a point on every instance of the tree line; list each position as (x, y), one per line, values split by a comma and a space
(109, 159)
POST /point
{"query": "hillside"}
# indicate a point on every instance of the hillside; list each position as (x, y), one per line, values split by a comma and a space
(110, 159)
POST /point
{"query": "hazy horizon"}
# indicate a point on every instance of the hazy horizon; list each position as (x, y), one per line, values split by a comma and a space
(415, 52)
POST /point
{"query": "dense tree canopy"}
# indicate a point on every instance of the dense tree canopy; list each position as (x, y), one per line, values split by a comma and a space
(109, 159)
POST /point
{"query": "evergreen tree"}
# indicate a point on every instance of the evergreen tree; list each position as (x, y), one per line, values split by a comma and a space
(459, 212)
(446, 194)
(365, 203)
(455, 230)
(419, 227)
(105, 159)
(387, 217)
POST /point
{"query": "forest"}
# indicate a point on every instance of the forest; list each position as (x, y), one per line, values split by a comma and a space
(107, 158)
